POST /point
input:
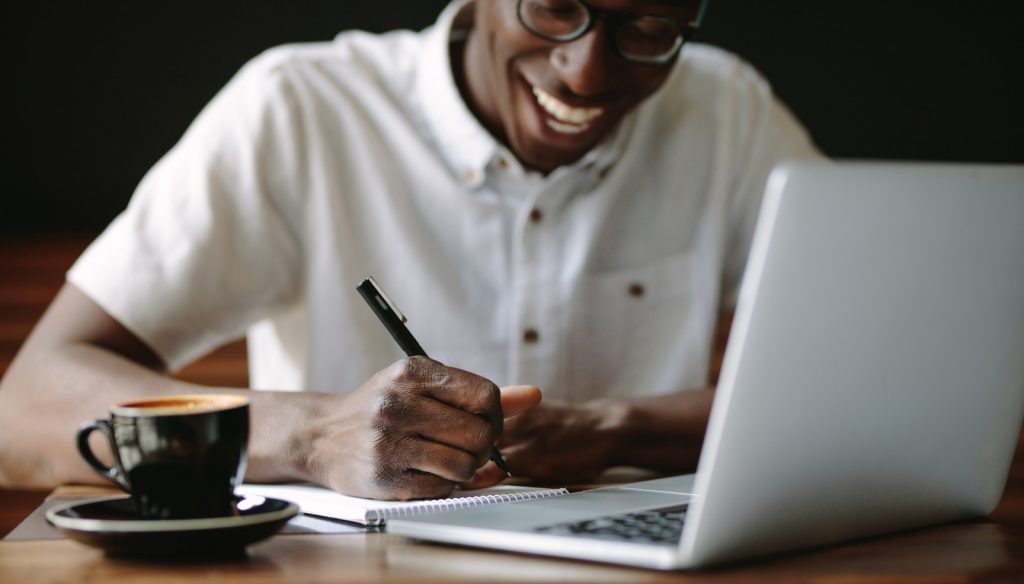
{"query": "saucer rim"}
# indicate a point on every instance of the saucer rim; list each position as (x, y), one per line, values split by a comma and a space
(161, 525)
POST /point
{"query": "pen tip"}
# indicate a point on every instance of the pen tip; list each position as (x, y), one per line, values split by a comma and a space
(500, 461)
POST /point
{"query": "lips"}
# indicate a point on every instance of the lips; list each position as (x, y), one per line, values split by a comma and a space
(565, 118)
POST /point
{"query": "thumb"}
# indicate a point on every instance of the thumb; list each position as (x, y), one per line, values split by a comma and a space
(516, 399)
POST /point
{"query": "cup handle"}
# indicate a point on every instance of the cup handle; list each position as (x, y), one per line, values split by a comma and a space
(111, 473)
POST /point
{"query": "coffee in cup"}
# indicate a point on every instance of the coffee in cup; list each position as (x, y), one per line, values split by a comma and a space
(178, 456)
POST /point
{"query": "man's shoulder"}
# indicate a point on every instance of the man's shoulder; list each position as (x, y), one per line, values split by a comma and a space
(709, 82)
(709, 68)
(353, 59)
(714, 96)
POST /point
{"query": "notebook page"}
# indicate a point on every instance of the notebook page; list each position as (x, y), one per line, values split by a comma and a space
(316, 500)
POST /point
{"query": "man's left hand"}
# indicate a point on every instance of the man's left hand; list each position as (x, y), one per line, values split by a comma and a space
(555, 441)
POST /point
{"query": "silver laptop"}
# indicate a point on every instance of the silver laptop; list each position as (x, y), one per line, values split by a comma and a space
(873, 382)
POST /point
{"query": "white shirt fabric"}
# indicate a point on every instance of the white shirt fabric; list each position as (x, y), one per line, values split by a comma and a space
(319, 164)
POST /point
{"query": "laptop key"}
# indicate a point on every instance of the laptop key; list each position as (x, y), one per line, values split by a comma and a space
(658, 526)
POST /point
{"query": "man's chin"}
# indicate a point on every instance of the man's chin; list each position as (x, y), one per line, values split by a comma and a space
(546, 156)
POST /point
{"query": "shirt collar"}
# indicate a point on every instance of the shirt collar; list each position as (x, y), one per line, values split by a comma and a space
(464, 143)
(468, 148)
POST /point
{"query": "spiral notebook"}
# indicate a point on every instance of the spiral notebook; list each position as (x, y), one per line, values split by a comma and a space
(316, 500)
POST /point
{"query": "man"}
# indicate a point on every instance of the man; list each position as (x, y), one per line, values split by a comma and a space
(558, 193)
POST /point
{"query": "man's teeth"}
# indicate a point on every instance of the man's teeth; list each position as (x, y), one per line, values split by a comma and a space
(574, 119)
(565, 128)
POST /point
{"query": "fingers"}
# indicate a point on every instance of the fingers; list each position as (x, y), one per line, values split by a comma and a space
(413, 467)
(424, 417)
(415, 484)
(433, 426)
(450, 464)
(516, 399)
(460, 389)
(486, 476)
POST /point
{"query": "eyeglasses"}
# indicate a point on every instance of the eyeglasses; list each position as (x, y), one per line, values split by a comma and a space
(640, 39)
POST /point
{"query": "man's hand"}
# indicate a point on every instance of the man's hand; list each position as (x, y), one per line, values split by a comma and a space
(560, 442)
(555, 442)
(415, 430)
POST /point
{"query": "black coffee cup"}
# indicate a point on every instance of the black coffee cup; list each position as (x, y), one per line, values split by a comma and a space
(180, 457)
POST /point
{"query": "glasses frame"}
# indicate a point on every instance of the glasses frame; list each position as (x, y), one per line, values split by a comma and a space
(687, 31)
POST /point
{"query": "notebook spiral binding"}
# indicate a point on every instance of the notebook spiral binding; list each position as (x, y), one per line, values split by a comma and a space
(460, 503)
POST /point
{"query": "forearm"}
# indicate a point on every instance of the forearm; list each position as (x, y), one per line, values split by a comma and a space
(49, 391)
(663, 433)
(414, 430)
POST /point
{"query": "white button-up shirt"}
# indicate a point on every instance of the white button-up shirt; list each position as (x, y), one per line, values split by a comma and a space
(320, 164)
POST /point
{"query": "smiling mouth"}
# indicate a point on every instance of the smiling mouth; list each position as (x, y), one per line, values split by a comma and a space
(564, 118)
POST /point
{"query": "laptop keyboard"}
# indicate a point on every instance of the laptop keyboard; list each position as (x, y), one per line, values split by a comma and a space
(658, 526)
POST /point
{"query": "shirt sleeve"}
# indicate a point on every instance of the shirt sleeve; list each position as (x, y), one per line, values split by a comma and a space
(208, 243)
(770, 135)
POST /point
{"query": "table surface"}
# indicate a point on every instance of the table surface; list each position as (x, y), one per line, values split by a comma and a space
(983, 550)
(31, 271)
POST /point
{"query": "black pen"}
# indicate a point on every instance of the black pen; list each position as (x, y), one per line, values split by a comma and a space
(394, 321)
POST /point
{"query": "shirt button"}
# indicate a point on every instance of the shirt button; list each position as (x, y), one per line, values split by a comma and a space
(531, 336)
(503, 163)
(636, 290)
(471, 175)
(536, 216)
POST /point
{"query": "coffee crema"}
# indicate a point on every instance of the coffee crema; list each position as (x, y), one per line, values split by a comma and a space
(179, 404)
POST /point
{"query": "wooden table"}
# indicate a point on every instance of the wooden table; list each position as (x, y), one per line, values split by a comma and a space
(983, 550)
(31, 271)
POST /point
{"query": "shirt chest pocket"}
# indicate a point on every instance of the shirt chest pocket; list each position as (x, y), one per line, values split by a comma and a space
(642, 330)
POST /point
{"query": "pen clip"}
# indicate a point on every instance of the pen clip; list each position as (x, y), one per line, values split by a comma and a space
(384, 300)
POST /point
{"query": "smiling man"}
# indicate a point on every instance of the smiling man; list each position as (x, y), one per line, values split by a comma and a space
(551, 78)
(558, 193)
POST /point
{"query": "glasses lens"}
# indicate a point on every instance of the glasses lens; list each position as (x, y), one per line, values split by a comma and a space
(648, 39)
(554, 19)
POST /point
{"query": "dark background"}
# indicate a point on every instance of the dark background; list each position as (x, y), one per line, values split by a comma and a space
(100, 90)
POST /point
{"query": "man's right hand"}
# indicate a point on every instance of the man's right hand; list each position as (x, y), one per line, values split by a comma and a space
(415, 430)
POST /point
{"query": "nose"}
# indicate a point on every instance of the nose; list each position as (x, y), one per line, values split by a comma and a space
(587, 66)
